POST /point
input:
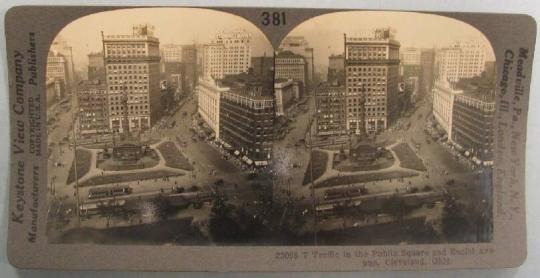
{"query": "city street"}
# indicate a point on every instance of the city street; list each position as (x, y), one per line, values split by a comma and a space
(291, 155)
(209, 166)
(444, 171)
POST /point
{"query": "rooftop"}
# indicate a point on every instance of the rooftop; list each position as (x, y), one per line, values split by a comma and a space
(86, 84)
(288, 54)
(246, 83)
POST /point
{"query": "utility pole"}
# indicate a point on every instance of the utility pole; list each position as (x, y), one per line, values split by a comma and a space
(75, 169)
(314, 202)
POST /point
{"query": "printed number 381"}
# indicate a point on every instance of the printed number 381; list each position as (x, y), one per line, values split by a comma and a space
(274, 18)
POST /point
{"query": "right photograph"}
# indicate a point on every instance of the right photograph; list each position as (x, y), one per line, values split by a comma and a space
(384, 130)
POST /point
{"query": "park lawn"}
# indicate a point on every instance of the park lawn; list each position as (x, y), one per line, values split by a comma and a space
(408, 158)
(173, 157)
(84, 158)
(385, 161)
(362, 178)
(120, 178)
(319, 160)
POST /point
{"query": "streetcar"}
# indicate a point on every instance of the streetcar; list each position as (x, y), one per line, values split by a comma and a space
(109, 192)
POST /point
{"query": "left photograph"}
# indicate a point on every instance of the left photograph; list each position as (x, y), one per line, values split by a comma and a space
(136, 102)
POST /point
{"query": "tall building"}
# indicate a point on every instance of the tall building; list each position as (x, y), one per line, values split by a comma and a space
(371, 80)
(189, 60)
(229, 53)
(96, 66)
(473, 124)
(57, 68)
(410, 56)
(60, 46)
(93, 107)
(331, 109)
(427, 63)
(247, 118)
(300, 46)
(289, 65)
(174, 74)
(411, 72)
(263, 66)
(443, 104)
(411, 75)
(209, 91)
(336, 69)
(286, 93)
(463, 59)
(171, 53)
(132, 75)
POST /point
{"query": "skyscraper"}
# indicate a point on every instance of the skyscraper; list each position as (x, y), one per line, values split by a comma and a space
(427, 63)
(229, 53)
(330, 103)
(263, 66)
(171, 53)
(246, 117)
(57, 68)
(60, 46)
(371, 80)
(132, 75)
(289, 65)
(463, 59)
(410, 56)
(189, 60)
(93, 107)
(300, 46)
(336, 69)
(96, 66)
(443, 104)
(473, 125)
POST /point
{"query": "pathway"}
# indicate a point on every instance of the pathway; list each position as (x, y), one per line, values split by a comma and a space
(95, 172)
(331, 172)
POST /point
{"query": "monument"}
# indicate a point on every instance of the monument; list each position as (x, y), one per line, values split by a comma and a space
(363, 148)
(129, 148)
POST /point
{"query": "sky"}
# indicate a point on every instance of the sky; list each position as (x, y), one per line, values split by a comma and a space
(172, 25)
(325, 33)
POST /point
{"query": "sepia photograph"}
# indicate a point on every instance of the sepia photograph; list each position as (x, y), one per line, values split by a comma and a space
(185, 126)
(390, 137)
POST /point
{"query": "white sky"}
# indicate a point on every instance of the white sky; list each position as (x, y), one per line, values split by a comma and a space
(325, 33)
(172, 25)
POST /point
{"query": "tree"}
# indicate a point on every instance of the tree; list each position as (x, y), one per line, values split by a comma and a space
(222, 227)
(454, 221)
